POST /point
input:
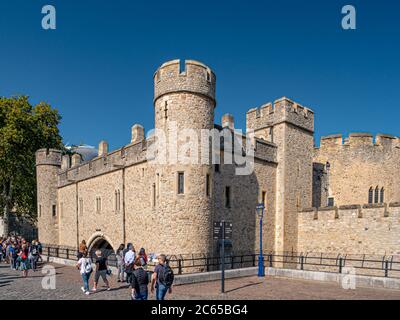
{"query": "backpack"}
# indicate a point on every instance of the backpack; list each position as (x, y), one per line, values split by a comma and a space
(88, 266)
(166, 276)
(34, 251)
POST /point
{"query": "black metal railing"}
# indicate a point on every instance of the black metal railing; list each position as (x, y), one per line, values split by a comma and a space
(370, 265)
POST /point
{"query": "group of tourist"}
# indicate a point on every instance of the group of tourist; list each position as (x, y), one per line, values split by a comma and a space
(132, 268)
(20, 254)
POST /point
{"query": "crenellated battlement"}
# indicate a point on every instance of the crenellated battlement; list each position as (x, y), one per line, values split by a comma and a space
(131, 154)
(359, 140)
(50, 157)
(366, 211)
(195, 78)
(282, 110)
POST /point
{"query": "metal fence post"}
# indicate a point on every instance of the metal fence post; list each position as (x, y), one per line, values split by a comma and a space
(254, 260)
(48, 251)
(301, 263)
(57, 252)
(179, 266)
(232, 262)
(340, 264)
(386, 268)
(67, 253)
(207, 264)
(270, 260)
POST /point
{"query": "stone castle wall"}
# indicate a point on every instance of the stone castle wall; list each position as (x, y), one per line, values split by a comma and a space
(356, 165)
(351, 229)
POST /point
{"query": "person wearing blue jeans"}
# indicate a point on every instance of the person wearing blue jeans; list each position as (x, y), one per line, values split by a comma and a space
(161, 288)
(85, 266)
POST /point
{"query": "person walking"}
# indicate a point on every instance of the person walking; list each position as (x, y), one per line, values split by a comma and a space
(143, 257)
(82, 249)
(120, 263)
(139, 282)
(23, 258)
(85, 266)
(129, 260)
(33, 253)
(13, 255)
(101, 270)
(162, 278)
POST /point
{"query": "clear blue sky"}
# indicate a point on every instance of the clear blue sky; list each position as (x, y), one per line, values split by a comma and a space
(97, 67)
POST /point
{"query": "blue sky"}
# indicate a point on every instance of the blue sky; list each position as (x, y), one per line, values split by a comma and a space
(96, 68)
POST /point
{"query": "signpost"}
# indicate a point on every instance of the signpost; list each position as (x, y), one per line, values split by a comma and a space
(222, 232)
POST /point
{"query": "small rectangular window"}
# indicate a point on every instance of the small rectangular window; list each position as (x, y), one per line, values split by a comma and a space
(227, 197)
(181, 183)
(54, 210)
(40, 210)
(216, 167)
(331, 202)
(208, 186)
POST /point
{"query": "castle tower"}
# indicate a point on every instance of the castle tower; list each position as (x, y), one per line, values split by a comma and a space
(48, 163)
(184, 99)
(291, 127)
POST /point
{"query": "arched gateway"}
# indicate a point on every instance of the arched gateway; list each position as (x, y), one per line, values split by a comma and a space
(102, 243)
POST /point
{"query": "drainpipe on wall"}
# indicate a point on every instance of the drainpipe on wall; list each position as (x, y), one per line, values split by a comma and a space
(123, 206)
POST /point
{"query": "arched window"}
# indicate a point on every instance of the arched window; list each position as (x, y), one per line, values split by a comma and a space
(370, 195)
(376, 194)
(382, 195)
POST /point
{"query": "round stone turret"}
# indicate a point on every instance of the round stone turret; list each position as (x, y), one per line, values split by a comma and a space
(48, 164)
(196, 78)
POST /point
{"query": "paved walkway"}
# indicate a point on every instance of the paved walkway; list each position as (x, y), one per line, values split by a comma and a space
(68, 284)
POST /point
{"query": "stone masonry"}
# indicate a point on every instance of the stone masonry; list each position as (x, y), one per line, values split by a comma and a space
(124, 196)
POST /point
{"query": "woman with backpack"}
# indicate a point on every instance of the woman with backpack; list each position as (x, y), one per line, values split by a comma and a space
(85, 266)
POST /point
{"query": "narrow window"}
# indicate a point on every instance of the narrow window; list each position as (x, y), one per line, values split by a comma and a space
(216, 167)
(81, 206)
(158, 75)
(181, 183)
(54, 210)
(40, 210)
(208, 76)
(331, 202)
(382, 195)
(207, 185)
(116, 200)
(227, 197)
(264, 198)
(370, 195)
(376, 194)
(98, 204)
(142, 172)
(153, 191)
(166, 110)
(61, 209)
(119, 200)
(158, 185)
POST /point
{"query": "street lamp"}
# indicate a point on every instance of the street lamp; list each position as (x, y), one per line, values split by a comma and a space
(260, 212)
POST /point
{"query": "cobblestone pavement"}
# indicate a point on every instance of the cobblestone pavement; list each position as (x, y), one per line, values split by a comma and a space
(68, 284)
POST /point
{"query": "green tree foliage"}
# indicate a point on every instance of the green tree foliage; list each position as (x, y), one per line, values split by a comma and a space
(23, 130)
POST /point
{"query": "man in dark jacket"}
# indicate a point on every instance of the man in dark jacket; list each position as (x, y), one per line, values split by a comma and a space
(139, 282)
